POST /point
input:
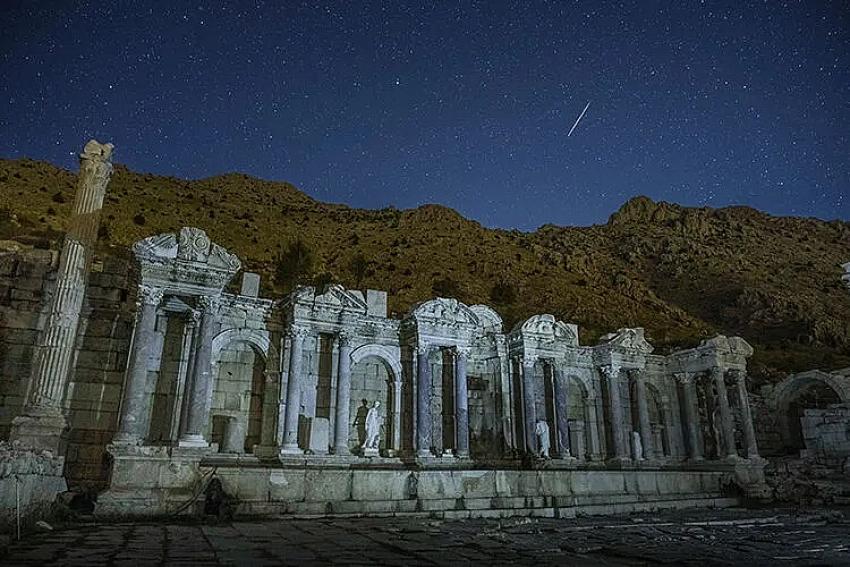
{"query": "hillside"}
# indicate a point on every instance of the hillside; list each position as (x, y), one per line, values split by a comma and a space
(682, 273)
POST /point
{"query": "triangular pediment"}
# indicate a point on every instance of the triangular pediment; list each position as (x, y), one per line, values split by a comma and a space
(628, 339)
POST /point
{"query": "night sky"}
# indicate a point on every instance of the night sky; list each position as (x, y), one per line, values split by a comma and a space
(468, 106)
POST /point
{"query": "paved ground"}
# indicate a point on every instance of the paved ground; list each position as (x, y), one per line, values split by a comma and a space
(752, 537)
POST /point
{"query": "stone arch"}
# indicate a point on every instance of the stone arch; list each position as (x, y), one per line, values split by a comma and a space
(243, 372)
(806, 390)
(381, 381)
(388, 356)
(260, 340)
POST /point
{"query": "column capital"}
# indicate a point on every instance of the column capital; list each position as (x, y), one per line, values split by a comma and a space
(463, 351)
(684, 377)
(610, 371)
(737, 374)
(149, 295)
(716, 372)
(210, 304)
(344, 337)
(528, 359)
(297, 331)
(423, 348)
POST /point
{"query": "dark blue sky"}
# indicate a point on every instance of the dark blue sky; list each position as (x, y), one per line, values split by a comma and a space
(468, 106)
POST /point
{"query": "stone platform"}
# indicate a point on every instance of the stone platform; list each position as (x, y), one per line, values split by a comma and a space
(158, 484)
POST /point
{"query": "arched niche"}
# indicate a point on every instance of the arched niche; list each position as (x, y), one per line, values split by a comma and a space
(240, 363)
(799, 392)
(375, 376)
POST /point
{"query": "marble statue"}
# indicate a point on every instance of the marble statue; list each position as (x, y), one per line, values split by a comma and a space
(637, 446)
(374, 421)
(542, 431)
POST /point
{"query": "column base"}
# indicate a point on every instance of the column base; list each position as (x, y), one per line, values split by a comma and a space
(40, 428)
(424, 454)
(194, 441)
(291, 450)
(342, 451)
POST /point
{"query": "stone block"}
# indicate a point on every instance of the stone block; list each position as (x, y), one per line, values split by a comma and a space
(319, 435)
(328, 485)
(376, 303)
(250, 284)
(288, 485)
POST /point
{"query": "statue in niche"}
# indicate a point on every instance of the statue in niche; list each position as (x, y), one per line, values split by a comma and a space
(637, 446)
(374, 421)
(360, 421)
(542, 432)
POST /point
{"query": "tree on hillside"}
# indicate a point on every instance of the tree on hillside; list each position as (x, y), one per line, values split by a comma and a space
(358, 265)
(294, 264)
(446, 287)
(502, 293)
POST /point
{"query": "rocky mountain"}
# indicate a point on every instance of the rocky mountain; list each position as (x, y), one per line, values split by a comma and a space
(683, 273)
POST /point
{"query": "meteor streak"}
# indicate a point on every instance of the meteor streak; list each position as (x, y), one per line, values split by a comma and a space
(579, 118)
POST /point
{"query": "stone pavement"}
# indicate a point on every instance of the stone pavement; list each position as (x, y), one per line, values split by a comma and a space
(689, 537)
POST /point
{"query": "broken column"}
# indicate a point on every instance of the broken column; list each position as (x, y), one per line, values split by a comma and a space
(42, 421)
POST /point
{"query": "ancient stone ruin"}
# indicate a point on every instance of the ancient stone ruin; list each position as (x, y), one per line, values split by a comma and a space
(143, 376)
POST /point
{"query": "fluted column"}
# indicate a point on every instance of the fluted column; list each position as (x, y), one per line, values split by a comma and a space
(293, 391)
(644, 427)
(461, 403)
(343, 396)
(423, 402)
(727, 428)
(135, 404)
(562, 405)
(750, 444)
(615, 408)
(692, 425)
(197, 418)
(42, 421)
(529, 395)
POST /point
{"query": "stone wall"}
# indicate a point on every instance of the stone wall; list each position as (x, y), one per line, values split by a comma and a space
(826, 432)
(27, 279)
(31, 480)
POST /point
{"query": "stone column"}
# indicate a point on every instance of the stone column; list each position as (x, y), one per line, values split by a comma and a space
(592, 412)
(197, 418)
(396, 444)
(461, 404)
(615, 407)
(746, 415)
(42, 420)
(727, 428)
(423, 402)
(562, 404)
(529, 407)
(343, 396)
(643, 414)
(136, 402)
(293, 392)
(194, 332)
(692, 425)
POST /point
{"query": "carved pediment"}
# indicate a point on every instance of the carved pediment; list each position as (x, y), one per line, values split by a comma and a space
(545, 327)
(336, 296)
(445, 311)
(190, 246)
(628, 339)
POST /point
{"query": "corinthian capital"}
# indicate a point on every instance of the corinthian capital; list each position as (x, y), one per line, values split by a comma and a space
(298, 331)
(344, 337)
(463, 351)
(210, 304)
(149, 295)
(610, 371)
(684, 377)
